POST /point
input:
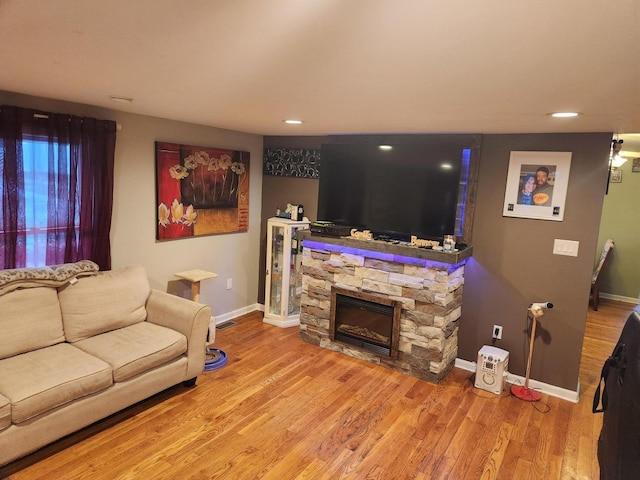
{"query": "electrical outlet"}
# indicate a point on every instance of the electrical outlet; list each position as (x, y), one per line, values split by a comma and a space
(497, 332)
(229, 284)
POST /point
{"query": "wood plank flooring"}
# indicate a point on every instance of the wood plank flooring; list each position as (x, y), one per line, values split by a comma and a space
(284, 409)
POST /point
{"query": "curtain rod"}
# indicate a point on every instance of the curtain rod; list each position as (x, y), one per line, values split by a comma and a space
(44, 116)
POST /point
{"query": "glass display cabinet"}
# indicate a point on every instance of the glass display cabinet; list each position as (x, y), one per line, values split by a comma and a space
(283, 284)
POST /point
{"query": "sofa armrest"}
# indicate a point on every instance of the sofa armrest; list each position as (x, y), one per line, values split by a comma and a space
(187, 317)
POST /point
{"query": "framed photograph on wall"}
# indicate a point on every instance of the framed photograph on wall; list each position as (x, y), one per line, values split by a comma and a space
(616, 176)
(537, 185)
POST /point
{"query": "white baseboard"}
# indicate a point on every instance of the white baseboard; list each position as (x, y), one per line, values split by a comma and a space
(290, 322)
(619, 298)
(225, 317)
(545, 388)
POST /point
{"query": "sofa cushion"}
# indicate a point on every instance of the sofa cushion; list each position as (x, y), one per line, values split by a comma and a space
(104, 302)
(43, 379)
(29, 319)
(135, 349)
(5, 412)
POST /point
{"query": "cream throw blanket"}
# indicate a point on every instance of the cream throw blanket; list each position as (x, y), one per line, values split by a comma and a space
(52, 276)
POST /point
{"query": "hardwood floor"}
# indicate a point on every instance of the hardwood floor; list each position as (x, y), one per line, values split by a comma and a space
(284, 409)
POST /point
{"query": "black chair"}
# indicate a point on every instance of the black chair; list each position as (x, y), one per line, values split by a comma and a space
(607, 250)
(618, 396)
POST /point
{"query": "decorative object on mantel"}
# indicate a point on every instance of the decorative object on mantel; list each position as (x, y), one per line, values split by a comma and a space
(537, 185)
(362, 235)
(291, 162)
(418, 242)
(449, 243)
(200, 190)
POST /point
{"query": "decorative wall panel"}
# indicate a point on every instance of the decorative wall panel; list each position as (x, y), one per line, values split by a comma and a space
(292, 162)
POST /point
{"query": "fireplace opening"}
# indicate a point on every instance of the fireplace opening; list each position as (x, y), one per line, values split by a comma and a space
(367, 321)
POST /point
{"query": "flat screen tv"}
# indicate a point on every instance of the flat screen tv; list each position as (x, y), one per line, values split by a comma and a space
(412, 188)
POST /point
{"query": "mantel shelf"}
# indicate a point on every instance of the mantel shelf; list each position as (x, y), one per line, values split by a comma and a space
(389, 248)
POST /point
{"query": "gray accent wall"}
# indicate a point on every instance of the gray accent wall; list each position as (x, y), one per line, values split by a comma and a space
(277, 191)
(513, 264)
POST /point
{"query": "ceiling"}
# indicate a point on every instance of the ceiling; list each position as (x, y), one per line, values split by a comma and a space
(342, 66)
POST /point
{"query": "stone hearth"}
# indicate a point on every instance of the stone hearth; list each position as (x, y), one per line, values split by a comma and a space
(430, 292)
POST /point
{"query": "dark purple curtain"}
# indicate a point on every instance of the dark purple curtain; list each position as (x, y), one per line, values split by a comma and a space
(12, 215)
(79, 187)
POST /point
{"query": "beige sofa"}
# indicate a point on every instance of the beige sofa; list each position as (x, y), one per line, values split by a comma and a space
(77, 345)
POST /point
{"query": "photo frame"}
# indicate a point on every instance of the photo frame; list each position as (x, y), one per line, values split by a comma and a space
(635, 165)
(616, 176)
(526, 195)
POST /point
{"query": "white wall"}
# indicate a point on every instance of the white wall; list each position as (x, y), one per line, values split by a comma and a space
(234, 256)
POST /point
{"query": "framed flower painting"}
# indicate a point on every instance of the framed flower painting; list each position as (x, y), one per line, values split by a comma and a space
(200, 191)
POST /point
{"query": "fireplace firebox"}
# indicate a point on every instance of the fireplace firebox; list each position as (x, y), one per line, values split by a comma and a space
(366, 321)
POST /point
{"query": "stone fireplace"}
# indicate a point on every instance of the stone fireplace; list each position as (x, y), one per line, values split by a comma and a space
(371, 283)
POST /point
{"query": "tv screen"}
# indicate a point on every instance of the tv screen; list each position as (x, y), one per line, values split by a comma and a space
(408, 189)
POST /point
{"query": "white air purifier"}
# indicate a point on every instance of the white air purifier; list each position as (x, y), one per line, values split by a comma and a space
(491, 369)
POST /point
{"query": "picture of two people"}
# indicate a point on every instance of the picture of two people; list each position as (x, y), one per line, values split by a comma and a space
(535, 186)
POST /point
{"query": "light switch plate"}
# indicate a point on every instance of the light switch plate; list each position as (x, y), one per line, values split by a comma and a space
(566, 247)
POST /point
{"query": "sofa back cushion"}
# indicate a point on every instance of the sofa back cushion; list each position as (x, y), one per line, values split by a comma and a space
(29, 319)
(104, 302)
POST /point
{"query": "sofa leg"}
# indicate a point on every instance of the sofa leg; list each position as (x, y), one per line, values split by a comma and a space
(190, 383)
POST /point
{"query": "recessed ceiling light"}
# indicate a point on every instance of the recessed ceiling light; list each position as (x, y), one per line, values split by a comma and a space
(564, 114)
(292, 121)
(446, 166)
(119, 99)
(385, 147)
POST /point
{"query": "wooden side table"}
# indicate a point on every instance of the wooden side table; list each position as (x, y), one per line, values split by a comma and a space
(195, 277)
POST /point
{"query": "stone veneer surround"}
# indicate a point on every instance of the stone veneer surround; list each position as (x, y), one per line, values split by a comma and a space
(430, 292)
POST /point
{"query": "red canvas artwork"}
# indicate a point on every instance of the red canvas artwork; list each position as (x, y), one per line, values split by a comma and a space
(200, 191)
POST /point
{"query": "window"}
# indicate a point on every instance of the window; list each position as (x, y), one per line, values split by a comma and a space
(37, 202)
(56, 183)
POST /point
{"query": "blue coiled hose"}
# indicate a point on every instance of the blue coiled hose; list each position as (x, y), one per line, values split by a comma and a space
(214, 359)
